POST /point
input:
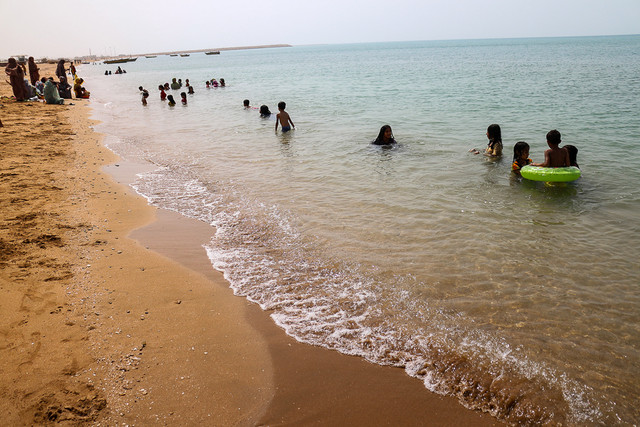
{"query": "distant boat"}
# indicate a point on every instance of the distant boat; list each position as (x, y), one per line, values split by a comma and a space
(120, 60)
(150, 56)
(184, 54)
(173, 54)
(213, 52)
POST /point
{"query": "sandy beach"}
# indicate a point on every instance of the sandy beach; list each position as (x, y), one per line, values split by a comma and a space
(112, 314)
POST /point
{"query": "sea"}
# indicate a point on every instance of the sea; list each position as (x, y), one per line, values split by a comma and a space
(520, 298)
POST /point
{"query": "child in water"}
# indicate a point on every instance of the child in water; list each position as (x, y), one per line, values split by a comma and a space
(171, 101)
(554, 157)
(283, 118)
(145, 95)
(264, 111)
(520, 156)
(385, 136)
(494, 147)
(183, 95)
(573, 155)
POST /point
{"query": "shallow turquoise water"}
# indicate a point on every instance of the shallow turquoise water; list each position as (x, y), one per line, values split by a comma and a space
(521, 298)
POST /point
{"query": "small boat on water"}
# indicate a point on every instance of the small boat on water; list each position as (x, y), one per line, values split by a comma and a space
(184, 54)
(150, 56)
(119, 60)
(213, 52)
(173, 54)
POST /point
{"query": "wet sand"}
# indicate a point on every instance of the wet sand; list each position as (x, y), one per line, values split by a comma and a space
(112, 314)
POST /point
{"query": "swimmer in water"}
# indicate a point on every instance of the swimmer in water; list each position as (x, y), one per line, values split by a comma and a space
(385, 136)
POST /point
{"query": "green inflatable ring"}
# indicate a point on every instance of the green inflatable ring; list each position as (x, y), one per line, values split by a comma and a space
(535, 173)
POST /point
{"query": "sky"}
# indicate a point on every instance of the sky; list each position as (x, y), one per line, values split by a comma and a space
(113, 27)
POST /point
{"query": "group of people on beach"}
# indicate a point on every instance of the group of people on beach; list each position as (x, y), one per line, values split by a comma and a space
(282, 118)
(46, 89)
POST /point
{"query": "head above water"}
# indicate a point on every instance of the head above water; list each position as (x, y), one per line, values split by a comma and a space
(264, 110)
(282, 105)
(494, 133)
(553, 137)
(245, 102)
(385, 133)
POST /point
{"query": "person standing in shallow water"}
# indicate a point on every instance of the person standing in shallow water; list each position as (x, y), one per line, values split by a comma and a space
(385, 136)
(283, 118)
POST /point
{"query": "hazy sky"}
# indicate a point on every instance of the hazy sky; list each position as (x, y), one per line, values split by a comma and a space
(142, 26)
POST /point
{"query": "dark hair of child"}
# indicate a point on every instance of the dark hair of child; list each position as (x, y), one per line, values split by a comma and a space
(380, 139)
(573, 155)
(494, 134)
(553, 136)
(518, 149)
(282, 105)
(245, 102)
(264, 111)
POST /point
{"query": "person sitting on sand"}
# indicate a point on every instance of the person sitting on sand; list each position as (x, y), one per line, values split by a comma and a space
(64, 88)
(385, 136)
(80, 91)
(520, 156)
(554, 157)
(16, 79)
(174, 84)
(51, 95)
(40, 86)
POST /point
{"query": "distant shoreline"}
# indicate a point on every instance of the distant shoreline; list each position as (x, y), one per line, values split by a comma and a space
(217, 49)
